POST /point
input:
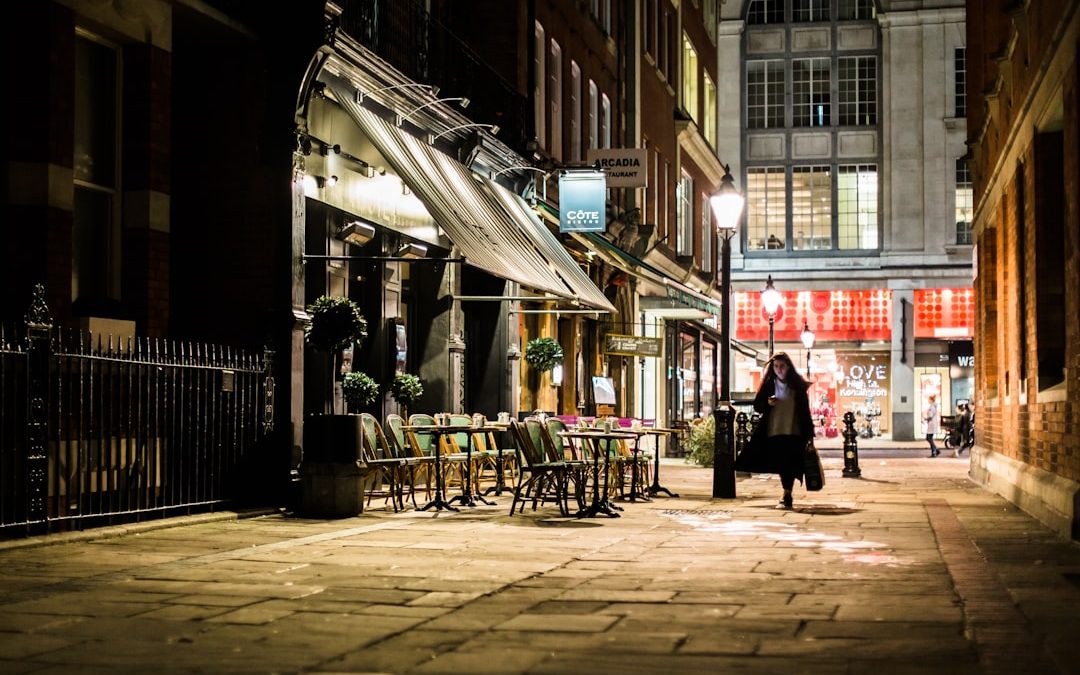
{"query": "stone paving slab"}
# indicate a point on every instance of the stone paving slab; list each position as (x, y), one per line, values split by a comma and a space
(915, 570)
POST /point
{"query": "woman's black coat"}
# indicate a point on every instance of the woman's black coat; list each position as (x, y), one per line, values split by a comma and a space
(756, 457)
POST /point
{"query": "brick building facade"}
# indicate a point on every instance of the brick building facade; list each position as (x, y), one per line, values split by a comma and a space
(1023, 119)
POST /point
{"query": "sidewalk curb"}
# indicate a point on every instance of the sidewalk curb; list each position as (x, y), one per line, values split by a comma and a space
(114, 531)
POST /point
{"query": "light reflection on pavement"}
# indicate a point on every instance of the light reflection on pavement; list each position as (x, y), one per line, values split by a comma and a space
(865, 552)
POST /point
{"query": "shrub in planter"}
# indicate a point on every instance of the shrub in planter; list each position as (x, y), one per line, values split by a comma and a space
(336, 323)
(359, 389)
(543, 353)
(406, 389)
(702, 442)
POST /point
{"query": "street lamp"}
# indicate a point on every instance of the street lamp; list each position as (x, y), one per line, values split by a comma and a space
(770, 300)
(807, 336)
(727, 205)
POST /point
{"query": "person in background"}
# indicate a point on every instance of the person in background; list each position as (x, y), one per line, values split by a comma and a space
(965, 429)
(780, 437)
(933, 424)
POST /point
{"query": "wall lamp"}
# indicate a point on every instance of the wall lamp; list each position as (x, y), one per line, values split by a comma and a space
(325, 181)
(430, 87)
(493, 129)
(464, 102)
(356, 233)
(411, 251)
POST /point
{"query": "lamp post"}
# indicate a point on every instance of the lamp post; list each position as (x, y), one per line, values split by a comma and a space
(727, 205)
(807, 336)
(770, 300)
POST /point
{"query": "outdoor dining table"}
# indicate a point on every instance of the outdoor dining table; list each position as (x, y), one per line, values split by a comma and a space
(600, 504)
(467, 497)
(656, 487)
(500, 481)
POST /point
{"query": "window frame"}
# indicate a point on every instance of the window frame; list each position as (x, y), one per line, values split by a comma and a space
(805, 100)
(691, 69)
(684, 215)
(771, 88)
(862, 231)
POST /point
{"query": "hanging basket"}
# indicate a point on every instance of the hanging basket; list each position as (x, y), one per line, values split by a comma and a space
(543, 353)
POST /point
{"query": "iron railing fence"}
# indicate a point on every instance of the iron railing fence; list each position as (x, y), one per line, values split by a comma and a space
(426, 51)
(96, 430)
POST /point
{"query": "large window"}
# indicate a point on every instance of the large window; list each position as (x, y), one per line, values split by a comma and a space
(555, 97)
(811, 207)
(95, 278)
(960, 81)
(685, 215)
(856, 10)
(765, 11)
(575, 112)
(766, 202)
(540, 84)
(709, 124)
(857, 206)
(765, 94)
(858, 90)
(810, 87)
(964, 202)
(810, 10)
(594, 114)
(689, 77)
(708, 234)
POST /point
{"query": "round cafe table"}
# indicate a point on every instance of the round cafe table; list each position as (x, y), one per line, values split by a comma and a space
(600, 503)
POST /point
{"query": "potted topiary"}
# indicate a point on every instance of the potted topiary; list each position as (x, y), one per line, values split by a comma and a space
(543, 353)
(406, 390)
(336, 324)
(359, 389)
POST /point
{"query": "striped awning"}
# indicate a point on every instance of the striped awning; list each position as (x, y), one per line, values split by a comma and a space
(494, 229)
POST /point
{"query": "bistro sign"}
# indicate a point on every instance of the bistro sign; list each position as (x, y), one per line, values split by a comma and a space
(582, 202)
(631, 345)
(624, 167)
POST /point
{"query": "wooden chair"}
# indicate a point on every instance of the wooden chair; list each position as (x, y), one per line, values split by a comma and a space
(379, 456)
(416, 462)
(539, 480)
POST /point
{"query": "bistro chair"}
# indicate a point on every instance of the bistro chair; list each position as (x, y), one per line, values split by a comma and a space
(423, 444)
(379, 456)
(417, 463)
(538, 479)
(560, 449)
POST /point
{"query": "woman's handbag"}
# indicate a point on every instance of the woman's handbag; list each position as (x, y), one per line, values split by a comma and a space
(812, 469)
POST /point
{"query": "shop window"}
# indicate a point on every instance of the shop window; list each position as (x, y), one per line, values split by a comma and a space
(857, 206)
(766, 202)
(810, 88)
(857, 81)
(95, 280)
(811, 207)
(765, 94)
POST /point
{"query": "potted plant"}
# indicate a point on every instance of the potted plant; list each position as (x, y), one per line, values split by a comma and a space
(336, 324)
(359, 389)
(543, 353)
(406, 390)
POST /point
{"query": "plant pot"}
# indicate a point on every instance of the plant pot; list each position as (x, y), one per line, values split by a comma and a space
(332, 439)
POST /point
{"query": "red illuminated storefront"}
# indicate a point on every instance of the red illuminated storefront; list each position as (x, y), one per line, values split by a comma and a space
(855, 364)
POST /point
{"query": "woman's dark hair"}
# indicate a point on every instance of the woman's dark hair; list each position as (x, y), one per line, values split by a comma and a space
(794, 379)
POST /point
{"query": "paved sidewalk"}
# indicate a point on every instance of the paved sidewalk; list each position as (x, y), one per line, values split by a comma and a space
(912, 569)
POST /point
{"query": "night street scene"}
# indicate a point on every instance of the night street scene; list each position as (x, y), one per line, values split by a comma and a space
(540, 337)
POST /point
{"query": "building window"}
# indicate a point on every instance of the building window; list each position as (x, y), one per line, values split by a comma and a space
(711, 14)
(811, 208)
(648, 28)
(766, 208)
(810, 86)
(575, 112)
(594, 114)
(709, 124)
(95, 278)
(810, 10)
(540, 84)
(765, 94)
(605, 121)
(555, 99)
(671, 54)
(765, 11)
(684, 217)
(964, 202)
(857, 206)
(960, 81)
(601, 11)
(689, 78)
(858, 90)
(856, 10)
(708, 234)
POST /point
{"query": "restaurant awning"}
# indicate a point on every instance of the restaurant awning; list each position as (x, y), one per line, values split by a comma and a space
(494, 228)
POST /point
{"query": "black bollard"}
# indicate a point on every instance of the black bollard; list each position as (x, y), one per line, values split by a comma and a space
(851, 447)
(724, 452)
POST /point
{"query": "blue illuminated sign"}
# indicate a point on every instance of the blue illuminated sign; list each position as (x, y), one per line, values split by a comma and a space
(582, 198)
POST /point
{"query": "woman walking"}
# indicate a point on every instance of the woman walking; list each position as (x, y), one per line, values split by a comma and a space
(933, 425)
(779, 440)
